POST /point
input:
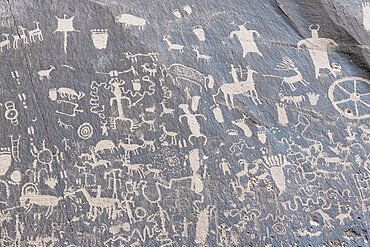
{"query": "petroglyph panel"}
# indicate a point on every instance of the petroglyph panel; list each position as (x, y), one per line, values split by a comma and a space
(184, 123)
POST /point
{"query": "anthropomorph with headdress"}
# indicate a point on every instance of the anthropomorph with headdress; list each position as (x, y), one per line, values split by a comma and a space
(318, 48)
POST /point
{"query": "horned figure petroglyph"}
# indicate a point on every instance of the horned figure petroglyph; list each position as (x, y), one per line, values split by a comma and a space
(325, 217)
(16, 40)
(146, 143)
(318, 50)
(329, 160)
(342, 216)
(155, 171)
(148, 122)
(246, 39)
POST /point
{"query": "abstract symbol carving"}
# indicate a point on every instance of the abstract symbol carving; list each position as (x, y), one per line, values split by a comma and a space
(85, 131)
(354, 105)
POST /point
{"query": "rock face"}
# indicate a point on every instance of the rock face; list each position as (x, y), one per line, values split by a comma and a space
(184, 123)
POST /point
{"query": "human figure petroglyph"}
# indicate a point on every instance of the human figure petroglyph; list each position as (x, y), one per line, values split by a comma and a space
(244, 87)
(225, 166)
(246, 39)
(318, 50)
(104, 128)
(118, 97)
(193, 123)
(331, 136)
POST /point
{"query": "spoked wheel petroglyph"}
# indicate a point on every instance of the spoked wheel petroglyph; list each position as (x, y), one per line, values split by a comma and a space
(351, 97)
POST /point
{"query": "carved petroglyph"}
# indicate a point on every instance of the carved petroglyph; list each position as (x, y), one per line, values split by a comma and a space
(138, 138)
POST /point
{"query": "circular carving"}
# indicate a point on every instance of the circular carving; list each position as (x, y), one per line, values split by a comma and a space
(85, 131)
(354, 102)
(279, 228)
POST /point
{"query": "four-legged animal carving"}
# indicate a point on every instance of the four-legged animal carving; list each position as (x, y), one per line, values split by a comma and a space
(243, 87)
(171, 134)
(45, 73)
